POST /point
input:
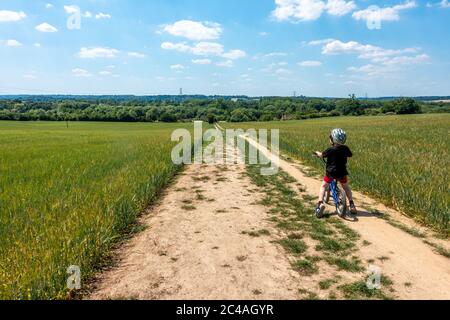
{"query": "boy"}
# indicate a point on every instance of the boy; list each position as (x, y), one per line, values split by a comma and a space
(336, 157)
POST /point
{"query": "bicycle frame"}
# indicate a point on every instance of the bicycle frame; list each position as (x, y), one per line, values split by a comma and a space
(335, 194)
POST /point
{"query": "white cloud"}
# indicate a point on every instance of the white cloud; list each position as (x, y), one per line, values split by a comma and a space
(97, 52)
(283, 72)
(365, 51)
(234, 54)
(182, 47)
(226, 64)
(11, 16)
(49, 5)
(29, 76)
(102, 16)
(37, 45)
(276, 54)
(105, 73)
(177, 67)
(310, 63)
(200, 49)
(81, 73)
(136, 55)
(263, 33)
(444, 4)
(309, 10)
(207, 48)
(374, 13)
(12, 43)
(71, 9)
(45, 27)
(194, 30)
(407, 60)
(319, 42)
(201, 61)
(340, 7)
(302, 10)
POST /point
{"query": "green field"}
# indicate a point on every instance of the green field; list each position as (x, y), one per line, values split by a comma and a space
(68, 194)
(402, 160)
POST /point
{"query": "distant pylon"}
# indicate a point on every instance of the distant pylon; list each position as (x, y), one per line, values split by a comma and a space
(181, 91)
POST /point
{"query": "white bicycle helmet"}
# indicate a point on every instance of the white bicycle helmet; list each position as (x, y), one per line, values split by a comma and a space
(339, 136)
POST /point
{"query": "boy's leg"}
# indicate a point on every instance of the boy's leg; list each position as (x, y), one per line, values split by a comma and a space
(349, 193)
(321, 206)
(323, 189)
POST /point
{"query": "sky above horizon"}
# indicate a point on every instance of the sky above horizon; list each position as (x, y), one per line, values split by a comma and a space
(225, 47)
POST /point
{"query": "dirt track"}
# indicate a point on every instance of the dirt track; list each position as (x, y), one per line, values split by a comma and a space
(196, 245)
(410, 259)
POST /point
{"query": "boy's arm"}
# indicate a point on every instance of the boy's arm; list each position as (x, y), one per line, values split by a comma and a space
(324, 154)
(319, 154)
(350, 153)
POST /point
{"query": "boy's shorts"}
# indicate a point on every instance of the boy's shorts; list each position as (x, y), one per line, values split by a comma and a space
(343, 180)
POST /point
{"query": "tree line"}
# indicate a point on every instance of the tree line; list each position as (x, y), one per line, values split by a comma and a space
(210, 110)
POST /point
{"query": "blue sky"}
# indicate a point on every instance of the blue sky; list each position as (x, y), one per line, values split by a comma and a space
(251, 47)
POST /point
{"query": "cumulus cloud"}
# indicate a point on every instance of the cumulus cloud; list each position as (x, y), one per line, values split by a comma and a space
(45, 27)
(207, 48)
(11, 16)
(444, 4)
(30, 76)
(225, 64)
(234, 54)
(97, 52)
(283, 72)
(364, 51)
(201, 61)
(319, 42)
(12, 43)
(194, 30)
(71, 9)
(181, 47)
(177, 67)
(276, 54)
(49, 5)
(310, 63)
(136, 55)
(308, 10)
(81, 73)
(340, 7)
(374, 13)
(102, 16)
(382, 61)
(303, 10)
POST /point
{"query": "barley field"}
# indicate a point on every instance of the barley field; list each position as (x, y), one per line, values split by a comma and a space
(401, 160)
(68, 194)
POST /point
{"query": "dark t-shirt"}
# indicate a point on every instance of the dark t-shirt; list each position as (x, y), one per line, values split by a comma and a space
(337, 161)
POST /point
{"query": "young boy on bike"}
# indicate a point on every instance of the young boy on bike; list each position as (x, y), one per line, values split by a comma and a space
(337, 156)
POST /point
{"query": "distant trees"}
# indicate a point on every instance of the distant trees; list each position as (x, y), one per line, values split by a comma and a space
(402, 106)
(209, 110)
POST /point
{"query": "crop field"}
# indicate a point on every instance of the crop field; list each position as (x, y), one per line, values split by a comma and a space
(402, 160)
(68, 194)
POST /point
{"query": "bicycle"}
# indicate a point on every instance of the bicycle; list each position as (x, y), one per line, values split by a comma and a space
(339, 197)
